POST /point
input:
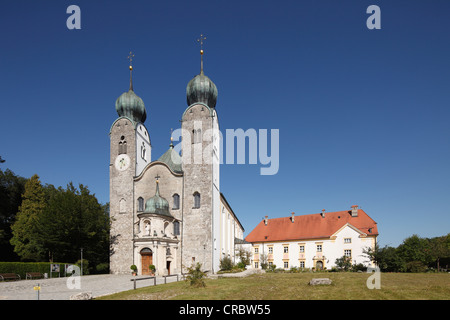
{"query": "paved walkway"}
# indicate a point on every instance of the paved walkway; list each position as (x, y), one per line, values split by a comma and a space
(57, 288)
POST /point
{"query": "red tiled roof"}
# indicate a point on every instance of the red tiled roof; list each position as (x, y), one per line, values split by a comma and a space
(311, 226)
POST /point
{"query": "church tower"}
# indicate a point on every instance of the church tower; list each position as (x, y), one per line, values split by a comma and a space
(130, 151)
(200, 155)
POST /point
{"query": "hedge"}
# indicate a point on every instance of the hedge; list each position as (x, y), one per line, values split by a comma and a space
(22, 268)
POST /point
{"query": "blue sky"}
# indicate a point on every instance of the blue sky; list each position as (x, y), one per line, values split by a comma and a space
(363, 114)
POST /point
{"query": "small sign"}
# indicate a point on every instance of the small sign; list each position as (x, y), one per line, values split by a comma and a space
(37, 288)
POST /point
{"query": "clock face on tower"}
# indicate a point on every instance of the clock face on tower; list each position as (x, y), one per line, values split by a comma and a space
(122, 162)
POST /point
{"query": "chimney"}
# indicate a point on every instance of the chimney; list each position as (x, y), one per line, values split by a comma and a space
(323, 213)
(292, 218)
(354, 211)
(266, 220)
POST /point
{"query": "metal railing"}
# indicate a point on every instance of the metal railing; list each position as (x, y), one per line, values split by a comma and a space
(154, 279)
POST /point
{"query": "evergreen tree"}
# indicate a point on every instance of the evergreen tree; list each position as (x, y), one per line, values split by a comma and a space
(26, 239)
(11, 189)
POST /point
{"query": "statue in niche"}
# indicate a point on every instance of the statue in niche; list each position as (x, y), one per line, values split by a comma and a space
(147, 228)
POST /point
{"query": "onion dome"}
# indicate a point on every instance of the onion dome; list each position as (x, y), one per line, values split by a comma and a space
(172, 159)
(130, 105)
(157, 204)
(201, 88)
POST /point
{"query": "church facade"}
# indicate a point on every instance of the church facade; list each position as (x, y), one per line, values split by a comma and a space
(168, 213)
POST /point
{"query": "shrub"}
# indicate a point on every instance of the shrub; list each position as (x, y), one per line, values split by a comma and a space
(359, 267)
(102, 268)
(416, 266)
(21, 268)
(271, 268)
(294, 270)
(226, 264)
(85, 266)
(196, 276)
(343, 263)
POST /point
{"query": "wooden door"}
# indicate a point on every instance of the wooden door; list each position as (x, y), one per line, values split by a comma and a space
(147, 260)
(168, 268)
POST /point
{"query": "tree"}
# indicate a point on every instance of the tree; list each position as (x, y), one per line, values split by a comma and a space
(414, 248)
(386, 258)
(11, 189)
(438, 248)
(244, 256)
(264, 261)
(73, 219)
(373, 253)
(25, 230)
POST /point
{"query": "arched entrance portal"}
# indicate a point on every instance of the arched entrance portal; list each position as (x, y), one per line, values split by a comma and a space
(319, 265)
(146, 260)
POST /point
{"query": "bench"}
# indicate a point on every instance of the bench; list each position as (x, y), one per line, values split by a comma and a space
(9, 276)
(34, 275)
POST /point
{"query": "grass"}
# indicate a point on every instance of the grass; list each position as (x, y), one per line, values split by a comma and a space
(294, 286)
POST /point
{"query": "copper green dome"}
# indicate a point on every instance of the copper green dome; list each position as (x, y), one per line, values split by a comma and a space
(201, 89)
(131, 106)
(172, 159)
(157, 204)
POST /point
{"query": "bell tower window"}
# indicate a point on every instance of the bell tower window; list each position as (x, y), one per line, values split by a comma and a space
(197, 136)
(122, 145)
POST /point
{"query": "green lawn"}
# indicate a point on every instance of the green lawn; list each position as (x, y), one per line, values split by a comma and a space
(285, 286)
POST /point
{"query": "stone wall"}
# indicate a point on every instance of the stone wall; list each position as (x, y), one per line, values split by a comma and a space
(121, 197)
(197, 239)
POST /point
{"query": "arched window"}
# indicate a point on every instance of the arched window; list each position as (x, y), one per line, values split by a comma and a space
(197, 136)
(176, 201)
(140, 204)
(122, 145)
(176, 228)
(196, 200)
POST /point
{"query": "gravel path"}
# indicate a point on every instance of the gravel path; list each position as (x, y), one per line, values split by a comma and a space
(58, 288)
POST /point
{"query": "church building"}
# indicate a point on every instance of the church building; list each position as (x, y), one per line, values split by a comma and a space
(168, 213)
